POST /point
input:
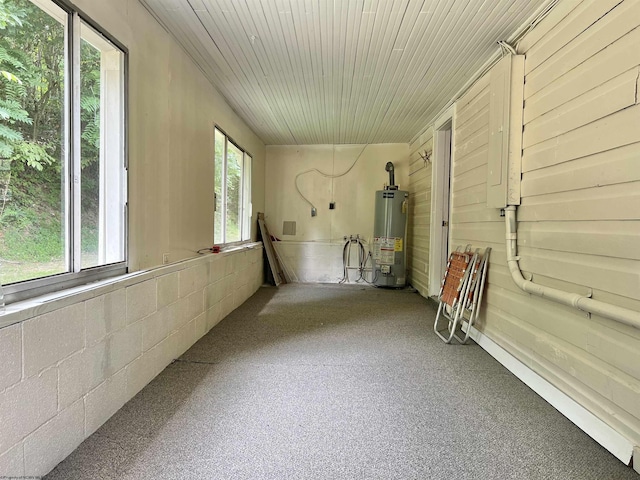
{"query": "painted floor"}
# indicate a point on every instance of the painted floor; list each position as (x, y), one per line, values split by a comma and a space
(337, 382)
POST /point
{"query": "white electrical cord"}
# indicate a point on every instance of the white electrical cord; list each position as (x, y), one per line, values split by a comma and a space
(327, 175)
(515, 40)
(506, 48)
(536, 21)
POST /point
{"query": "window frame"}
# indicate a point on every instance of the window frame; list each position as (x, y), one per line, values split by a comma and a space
(247, 206)
(77, 275)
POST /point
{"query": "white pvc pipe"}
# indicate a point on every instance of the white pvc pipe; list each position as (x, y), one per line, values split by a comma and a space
(586, 304)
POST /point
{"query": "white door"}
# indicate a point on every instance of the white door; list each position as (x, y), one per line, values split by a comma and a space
(446, 196)
(440, 202)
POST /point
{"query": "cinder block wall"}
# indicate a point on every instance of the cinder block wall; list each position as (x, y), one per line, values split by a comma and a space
(65, 372)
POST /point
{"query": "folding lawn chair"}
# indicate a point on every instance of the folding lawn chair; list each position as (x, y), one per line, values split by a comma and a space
(454, 291)
(471, 305)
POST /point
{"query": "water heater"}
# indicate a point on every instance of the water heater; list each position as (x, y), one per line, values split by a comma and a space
(389, 235)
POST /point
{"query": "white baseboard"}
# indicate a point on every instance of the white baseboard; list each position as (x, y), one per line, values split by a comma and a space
(602, 433)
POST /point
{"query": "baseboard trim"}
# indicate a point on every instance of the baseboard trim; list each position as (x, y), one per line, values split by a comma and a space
(612, 440)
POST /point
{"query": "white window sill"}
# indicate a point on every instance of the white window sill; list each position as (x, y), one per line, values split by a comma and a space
(21, 311)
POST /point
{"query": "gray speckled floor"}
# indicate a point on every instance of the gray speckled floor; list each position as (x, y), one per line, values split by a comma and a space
(337, 382)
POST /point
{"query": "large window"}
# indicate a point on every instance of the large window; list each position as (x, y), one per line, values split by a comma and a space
(62, 149)
(232, 222)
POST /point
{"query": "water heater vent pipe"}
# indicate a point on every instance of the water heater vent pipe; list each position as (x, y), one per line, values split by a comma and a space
(586, 304)
(389, 168)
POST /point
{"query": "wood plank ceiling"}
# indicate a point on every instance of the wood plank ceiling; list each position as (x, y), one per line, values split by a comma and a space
(340, 71)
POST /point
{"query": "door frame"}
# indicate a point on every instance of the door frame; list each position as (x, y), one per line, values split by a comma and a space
(443, 129)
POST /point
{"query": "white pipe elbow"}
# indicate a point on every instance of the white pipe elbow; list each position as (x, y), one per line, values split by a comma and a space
(580, 302)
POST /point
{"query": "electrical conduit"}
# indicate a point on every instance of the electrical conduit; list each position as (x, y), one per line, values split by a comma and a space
(586, 304)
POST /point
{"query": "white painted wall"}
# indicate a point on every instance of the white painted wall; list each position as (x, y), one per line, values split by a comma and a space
(172, 112)
(71, 362)
(314, 254)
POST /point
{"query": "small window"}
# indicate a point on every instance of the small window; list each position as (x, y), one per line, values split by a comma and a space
(62, 149)
(232, 167)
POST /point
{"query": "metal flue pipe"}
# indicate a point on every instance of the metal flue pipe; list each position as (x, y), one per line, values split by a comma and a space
(389, 168)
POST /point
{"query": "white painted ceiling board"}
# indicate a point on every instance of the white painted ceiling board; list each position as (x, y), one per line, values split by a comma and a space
(340, 71)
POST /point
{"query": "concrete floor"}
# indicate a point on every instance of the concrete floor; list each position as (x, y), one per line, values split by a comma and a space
(337, 382)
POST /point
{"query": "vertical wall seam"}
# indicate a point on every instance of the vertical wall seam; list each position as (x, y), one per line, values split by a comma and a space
(637, 82)
(22, 374)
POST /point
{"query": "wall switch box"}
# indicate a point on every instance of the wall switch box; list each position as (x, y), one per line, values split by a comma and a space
(288, 228)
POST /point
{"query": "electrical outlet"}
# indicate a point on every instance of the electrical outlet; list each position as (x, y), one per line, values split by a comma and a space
(332, 205)
(165, 258)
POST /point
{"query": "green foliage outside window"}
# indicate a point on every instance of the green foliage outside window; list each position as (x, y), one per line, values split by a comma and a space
(233, 213)
(32, 105)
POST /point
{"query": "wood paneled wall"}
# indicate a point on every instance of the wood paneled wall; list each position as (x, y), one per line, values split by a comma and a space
(419, 212)
(579, 219)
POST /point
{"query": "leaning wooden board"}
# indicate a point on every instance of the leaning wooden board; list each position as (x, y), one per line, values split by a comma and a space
(274, 264)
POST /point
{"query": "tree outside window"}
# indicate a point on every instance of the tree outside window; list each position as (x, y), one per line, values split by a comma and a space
(232, 165)
(61, 156)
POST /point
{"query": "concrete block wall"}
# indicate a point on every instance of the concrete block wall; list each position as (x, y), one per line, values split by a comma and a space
(70, 363)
